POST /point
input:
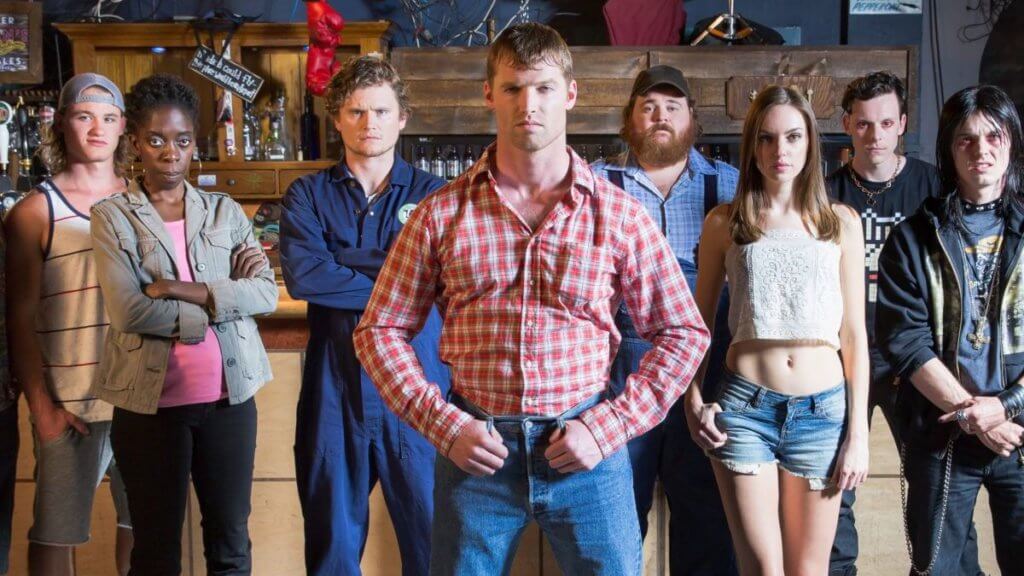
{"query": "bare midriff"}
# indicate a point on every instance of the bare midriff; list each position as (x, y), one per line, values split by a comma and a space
(785, 366)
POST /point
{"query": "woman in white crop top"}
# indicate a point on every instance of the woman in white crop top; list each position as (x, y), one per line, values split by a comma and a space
(789, 430)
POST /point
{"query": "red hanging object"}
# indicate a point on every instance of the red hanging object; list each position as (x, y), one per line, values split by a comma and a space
(324, 25)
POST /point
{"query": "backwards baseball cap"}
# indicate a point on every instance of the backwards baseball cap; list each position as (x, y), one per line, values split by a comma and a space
(74, 89)
(660, 75)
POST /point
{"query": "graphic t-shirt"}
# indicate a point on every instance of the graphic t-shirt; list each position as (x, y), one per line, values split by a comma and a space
(979, 355)
(918, 180)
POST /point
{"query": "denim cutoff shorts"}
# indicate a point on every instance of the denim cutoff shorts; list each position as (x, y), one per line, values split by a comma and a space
(800, 433)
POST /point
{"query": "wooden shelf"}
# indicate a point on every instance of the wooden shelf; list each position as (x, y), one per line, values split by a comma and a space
(264, 165)
(87, 37)
(275, 51)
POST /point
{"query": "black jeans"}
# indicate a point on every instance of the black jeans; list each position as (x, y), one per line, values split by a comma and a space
(973, 466)
(845, 547)
(156, 453)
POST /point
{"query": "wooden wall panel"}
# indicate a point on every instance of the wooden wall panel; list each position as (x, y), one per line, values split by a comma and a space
(137, 66)
(713, 62)
(111, 65)
(445, 84)
(126, 66)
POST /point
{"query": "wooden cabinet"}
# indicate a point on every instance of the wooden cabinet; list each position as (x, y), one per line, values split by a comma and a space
(276, 51)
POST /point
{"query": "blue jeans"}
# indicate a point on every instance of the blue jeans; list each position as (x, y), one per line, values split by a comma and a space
(973, 466)
(801, 433)
(588, 517)
(8, 465)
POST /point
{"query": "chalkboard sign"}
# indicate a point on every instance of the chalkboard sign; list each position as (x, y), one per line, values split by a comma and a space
(228, 75)
(21, 42)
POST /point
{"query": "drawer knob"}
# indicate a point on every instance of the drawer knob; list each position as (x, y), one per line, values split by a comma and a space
(231, 181)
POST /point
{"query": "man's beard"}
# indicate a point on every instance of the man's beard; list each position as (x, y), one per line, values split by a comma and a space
(650, 151)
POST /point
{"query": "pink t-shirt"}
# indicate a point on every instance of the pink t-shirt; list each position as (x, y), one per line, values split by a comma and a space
(195, 374)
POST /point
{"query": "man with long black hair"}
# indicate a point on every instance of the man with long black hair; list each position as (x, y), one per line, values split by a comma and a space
(950, 321)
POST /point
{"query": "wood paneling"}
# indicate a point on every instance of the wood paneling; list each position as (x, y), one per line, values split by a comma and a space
(446, 89)
(719, 61)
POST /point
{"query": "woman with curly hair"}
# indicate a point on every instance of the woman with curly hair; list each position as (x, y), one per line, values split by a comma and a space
(182, 277)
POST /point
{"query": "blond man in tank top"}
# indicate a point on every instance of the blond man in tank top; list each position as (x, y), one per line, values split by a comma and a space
(56, 323)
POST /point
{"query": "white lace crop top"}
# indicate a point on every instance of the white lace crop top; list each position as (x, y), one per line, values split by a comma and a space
(785, 286)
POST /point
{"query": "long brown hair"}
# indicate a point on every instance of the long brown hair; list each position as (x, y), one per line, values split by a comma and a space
(809, 187)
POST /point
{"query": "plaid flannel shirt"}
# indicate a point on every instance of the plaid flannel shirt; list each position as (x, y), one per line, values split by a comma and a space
(529, 314)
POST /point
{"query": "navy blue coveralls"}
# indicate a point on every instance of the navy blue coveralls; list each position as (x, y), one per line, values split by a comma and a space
(333, 245)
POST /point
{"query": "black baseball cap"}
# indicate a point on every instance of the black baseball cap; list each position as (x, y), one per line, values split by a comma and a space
(661, 75)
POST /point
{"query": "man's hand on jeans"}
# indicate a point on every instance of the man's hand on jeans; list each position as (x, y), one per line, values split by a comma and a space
(573, 448)
(1003, 439)
(476, 452)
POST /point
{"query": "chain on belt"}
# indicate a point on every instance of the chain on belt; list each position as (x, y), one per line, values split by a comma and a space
(940, 525)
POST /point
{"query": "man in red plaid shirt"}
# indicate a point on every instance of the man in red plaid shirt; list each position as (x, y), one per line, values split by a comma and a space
(527, 256)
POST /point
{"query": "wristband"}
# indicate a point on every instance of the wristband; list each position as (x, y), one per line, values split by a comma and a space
(1012, 400)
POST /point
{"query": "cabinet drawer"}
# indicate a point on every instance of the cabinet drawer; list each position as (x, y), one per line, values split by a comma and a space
(239, 183)
(289, 176)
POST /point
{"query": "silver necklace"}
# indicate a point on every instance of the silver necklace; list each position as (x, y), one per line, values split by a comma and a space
(872, 194)
(977, 338)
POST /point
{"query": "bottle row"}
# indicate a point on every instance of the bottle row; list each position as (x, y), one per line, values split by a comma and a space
(446, 161)
(272, 139)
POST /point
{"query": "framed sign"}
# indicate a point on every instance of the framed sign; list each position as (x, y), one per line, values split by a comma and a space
(226, 74)
(21, 42)
(864, 7)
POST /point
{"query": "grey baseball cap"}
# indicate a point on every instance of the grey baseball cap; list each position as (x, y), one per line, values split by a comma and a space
(74, 89)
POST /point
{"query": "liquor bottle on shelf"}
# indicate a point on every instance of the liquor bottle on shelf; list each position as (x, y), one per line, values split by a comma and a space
(468, 158)
(600, 152)
(452, 165)
(310, 124)
(277, 111)
(250, 133)
(421, 159)
(274, 147)
(437, 163)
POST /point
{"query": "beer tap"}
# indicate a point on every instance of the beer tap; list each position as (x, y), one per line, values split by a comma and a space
(7, 195)
(24, 149)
